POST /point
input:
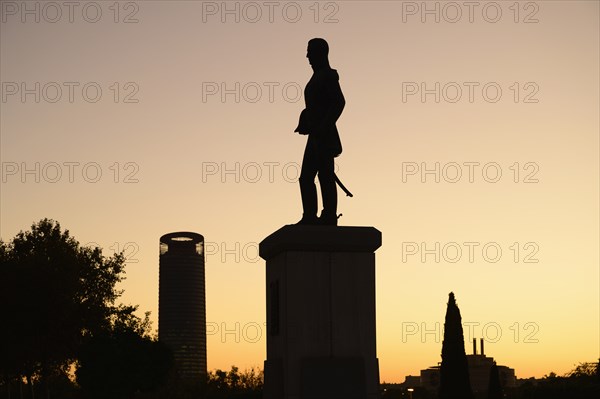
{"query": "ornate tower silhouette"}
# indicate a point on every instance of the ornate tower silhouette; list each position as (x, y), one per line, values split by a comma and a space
(181, 301)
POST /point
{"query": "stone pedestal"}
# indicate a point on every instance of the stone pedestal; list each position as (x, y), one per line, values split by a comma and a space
(321, 341)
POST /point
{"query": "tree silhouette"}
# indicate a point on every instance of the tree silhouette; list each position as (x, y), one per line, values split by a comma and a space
(494, 388)
(123, 361)
(54, 294)
(235, 384)
(454, 372)
(579, 383)
(584, 369)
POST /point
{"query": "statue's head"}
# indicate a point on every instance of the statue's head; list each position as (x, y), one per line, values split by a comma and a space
(317, 52)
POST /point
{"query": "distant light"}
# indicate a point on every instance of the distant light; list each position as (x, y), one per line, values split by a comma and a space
(410, 390)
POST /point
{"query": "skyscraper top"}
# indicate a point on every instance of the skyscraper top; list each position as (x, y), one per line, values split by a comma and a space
(181, 236)
(182, 240)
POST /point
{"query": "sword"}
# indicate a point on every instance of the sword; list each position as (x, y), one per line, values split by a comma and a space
(339, 183)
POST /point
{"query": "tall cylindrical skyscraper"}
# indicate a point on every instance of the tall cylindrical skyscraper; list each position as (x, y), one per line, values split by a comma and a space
(181, 301)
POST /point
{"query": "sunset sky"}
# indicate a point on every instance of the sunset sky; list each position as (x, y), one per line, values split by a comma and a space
(470, 138)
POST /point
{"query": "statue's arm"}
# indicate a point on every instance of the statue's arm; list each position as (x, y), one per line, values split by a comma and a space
(302, 123)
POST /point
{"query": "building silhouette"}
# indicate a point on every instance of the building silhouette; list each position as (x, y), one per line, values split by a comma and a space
(181, 301)
(479, 373)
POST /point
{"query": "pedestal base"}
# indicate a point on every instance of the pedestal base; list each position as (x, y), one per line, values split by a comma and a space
(321, 341)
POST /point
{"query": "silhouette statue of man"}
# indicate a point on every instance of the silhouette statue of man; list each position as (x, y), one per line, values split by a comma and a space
(324, 104)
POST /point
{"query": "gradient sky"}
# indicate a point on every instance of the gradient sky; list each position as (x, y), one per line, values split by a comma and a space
(163, 141)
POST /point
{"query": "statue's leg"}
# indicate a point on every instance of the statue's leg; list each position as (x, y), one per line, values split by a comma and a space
(308, 190)
(328, 189)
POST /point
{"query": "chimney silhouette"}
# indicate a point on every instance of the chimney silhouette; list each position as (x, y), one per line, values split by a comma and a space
(482, 353)
(474, 346)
